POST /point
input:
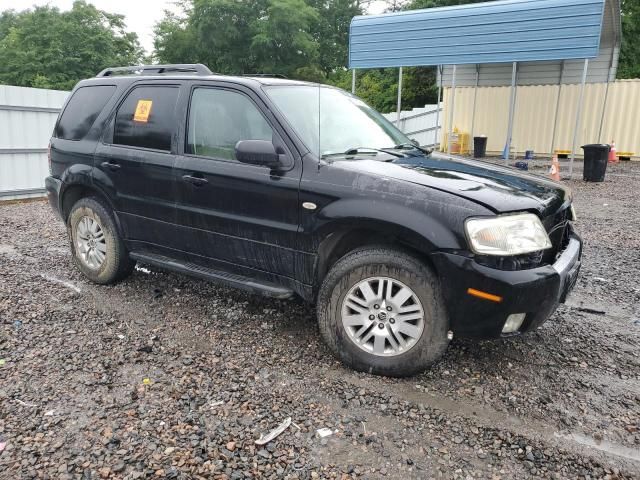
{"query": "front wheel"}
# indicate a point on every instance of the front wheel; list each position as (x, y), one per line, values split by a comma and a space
(381, 311)
(97, 248)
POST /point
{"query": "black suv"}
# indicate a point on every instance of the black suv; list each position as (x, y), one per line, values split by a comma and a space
(290, 188)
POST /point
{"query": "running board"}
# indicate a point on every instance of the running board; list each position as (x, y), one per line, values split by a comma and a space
(236, 281)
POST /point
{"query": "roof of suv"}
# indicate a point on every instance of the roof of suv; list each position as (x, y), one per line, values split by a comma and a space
(185, 72)
(236, 79)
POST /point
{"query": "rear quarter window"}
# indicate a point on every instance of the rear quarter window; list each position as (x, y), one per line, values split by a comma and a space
(82, 110)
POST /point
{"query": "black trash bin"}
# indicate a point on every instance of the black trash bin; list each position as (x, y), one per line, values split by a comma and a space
(595, 162)
(480, 146)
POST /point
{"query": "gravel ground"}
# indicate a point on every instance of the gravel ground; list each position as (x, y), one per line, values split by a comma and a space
(163, 376)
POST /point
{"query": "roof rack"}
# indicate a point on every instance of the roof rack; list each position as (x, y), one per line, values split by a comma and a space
(197, 68)
(267, 75)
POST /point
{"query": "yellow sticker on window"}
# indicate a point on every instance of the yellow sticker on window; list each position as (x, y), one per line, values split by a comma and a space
(143, 110)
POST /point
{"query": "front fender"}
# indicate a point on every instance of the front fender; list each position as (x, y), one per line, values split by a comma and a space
(422, 230)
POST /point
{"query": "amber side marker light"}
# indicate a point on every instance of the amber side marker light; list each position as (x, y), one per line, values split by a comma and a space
(484, 295)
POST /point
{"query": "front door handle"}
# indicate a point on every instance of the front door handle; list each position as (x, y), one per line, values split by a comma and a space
(197, 181)
(111, 165)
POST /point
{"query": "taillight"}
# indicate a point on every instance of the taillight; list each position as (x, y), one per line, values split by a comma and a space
(49, 158)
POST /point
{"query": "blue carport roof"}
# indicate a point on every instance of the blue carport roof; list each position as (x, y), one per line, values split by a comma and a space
(492, 32)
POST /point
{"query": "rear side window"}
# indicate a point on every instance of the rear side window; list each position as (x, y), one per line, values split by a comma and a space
(147, 118)
(82, 110)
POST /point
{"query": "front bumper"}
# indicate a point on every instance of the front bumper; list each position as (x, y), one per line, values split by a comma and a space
(536, 292)
(53, 186)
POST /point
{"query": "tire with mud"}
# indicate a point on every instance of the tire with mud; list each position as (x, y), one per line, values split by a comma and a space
(381, 311)
(97, 248)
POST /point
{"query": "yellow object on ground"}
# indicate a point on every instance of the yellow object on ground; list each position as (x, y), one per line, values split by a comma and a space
(459, 142)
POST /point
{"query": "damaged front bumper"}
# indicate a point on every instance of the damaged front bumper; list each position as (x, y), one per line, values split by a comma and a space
(535, 292)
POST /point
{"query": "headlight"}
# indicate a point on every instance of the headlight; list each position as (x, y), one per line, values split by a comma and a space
(507, 235)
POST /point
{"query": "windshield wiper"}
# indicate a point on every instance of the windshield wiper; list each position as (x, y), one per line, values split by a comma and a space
(404, 146)
(364, 151)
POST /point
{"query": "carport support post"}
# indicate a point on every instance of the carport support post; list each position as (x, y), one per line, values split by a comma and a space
(353, 81)
(610, 76)
(512, 108)
(475, 99)
(604, 108)
(555, 118)
(399, 97)
(439, 77)
(578, 116)
(451, 107)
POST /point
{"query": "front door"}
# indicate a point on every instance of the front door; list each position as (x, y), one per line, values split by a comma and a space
(135, 162)
(238, 217)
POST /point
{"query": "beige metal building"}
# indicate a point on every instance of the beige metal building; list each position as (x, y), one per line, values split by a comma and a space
(542, 105)
(535, 115)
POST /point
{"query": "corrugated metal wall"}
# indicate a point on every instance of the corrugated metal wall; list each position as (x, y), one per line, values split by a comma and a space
(27, 117)
(601, 68)
(490, 32)
(535, 112)
(419, 123)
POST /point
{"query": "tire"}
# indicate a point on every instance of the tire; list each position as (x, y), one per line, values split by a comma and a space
(116, 264)
(372, 265)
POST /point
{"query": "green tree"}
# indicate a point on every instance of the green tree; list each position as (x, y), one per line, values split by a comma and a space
(629, 66)
(47, 48)
(8, 19)
(224, 30)
(174, 43)
(331, 31)
(282, 42)
(379, 86)
(306, 39)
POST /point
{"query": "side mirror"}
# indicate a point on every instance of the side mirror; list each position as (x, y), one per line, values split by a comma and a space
(415, 142)
(257, 152)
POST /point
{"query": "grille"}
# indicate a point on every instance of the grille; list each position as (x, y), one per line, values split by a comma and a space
(558, 228)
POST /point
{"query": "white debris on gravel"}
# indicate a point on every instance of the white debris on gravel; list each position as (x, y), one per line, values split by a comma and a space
(65, 283)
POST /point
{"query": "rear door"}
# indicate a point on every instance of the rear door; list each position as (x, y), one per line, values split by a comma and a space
(135, 163)
(234, 216)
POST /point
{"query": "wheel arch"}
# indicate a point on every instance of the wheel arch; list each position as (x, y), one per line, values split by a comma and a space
(74, 192)
(348, 235)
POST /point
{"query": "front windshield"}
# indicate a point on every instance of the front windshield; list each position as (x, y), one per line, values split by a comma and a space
(346, 122)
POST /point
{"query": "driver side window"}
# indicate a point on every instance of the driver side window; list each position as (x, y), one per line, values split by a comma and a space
(218, 119)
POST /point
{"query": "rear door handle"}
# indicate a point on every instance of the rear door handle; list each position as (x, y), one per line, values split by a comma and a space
(197, 181)
(113, 166)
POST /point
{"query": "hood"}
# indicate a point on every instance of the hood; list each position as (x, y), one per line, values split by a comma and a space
(501, 189)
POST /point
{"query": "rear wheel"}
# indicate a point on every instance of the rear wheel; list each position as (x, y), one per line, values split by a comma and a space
(97, 248)
(380, 310)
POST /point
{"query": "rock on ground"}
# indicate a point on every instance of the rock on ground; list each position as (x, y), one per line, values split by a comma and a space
(164, 376)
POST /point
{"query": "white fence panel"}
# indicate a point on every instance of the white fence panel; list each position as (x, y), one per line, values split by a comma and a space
(420, 124)
(27, 117)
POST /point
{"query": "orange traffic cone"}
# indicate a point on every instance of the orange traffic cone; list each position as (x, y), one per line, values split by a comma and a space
(613, 158)
(554, 171)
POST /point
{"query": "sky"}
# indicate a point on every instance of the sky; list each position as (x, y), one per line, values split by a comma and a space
(140, 15)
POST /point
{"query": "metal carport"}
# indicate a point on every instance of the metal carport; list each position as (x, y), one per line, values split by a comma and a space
(499, 32)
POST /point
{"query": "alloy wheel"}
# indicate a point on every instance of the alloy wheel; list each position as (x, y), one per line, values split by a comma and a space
(91, 244)
(383, 316)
